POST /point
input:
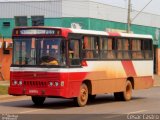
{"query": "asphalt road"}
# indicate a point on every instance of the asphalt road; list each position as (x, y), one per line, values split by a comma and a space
(103, 107)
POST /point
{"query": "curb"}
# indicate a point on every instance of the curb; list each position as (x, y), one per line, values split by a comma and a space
(3, 98)
(7, 97)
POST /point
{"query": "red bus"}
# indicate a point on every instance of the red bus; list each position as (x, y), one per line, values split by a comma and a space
(78, 64)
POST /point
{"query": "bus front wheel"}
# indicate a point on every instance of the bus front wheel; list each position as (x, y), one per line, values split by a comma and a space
(82, 99)
(125, 95)
(38, 100)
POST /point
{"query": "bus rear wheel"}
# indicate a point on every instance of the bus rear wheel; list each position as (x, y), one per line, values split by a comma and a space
(38, 100)
(82, 99)
(125, 95)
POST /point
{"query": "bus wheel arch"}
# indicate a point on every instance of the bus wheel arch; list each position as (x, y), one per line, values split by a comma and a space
(84, 91)
(82, 99)
(89, 85)
(91, 97)
(125, 95)
(131, 79)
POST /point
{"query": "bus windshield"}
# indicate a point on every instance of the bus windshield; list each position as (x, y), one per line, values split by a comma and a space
(39, 51)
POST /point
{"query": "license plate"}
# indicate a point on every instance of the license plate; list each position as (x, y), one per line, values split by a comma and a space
(33, 91)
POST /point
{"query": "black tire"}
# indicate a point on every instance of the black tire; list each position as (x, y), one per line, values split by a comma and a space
(82, 99)
(91, 97)
(38, 100)
(118, 96)
(125, 95)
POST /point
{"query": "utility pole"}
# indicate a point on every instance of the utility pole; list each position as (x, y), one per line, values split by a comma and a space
(129, 17)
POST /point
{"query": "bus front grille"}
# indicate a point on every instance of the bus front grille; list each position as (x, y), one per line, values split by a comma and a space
(35, 83)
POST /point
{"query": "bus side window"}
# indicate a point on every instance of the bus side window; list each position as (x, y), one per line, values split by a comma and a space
(87, 46)
(147, 49)
(74, 55)
(96, 53)
(119, 48)
(111, 53)
(137, 49)
(103, 47)
(126, 48)
(90, 47)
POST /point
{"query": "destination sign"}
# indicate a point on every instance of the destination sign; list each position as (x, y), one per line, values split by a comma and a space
(37, 32)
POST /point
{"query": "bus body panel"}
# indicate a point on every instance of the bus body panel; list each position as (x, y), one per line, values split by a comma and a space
(105, 77)
(143, 82)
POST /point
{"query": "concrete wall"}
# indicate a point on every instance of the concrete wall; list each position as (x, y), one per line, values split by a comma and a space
(75, 8)
(49, 9)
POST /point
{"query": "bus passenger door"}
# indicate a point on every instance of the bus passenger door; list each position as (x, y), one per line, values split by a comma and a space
(75, 75)
(74, 53)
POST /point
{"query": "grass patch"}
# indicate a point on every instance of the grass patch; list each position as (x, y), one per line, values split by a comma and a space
(3, 90)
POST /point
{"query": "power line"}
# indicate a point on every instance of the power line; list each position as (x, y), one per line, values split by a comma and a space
(141, 10)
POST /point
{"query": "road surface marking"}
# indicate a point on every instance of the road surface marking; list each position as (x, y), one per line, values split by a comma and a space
(30, 111)
(140, 111)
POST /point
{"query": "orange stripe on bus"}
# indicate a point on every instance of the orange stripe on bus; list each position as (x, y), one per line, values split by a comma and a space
(129, 68)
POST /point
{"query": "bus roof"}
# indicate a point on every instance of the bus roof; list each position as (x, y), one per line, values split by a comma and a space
(118, 34)
(66, 31)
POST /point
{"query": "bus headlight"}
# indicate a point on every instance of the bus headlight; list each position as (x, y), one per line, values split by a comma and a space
(15, 82)
(20, 82)
(50, 83)
(56, 84)
(62, 83)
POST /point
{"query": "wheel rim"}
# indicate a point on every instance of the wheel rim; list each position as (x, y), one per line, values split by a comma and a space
(128, 90)
(83, 95)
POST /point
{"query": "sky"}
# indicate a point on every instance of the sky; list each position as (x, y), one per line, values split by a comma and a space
(153, 7)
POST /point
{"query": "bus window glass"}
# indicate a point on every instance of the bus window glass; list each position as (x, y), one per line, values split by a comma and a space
(104, 43)
(39, 51)
(111, 54)
(16, 53)
(119, 49)
(32, 53)
(108, 48)
(90, 47)
(136, 49)
(147, 49)
(50, 51)
(126, 49)
(104, 47)
(74, 52)
(23, 54)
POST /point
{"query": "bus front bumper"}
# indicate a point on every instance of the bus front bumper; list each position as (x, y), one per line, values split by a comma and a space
(46, 92)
